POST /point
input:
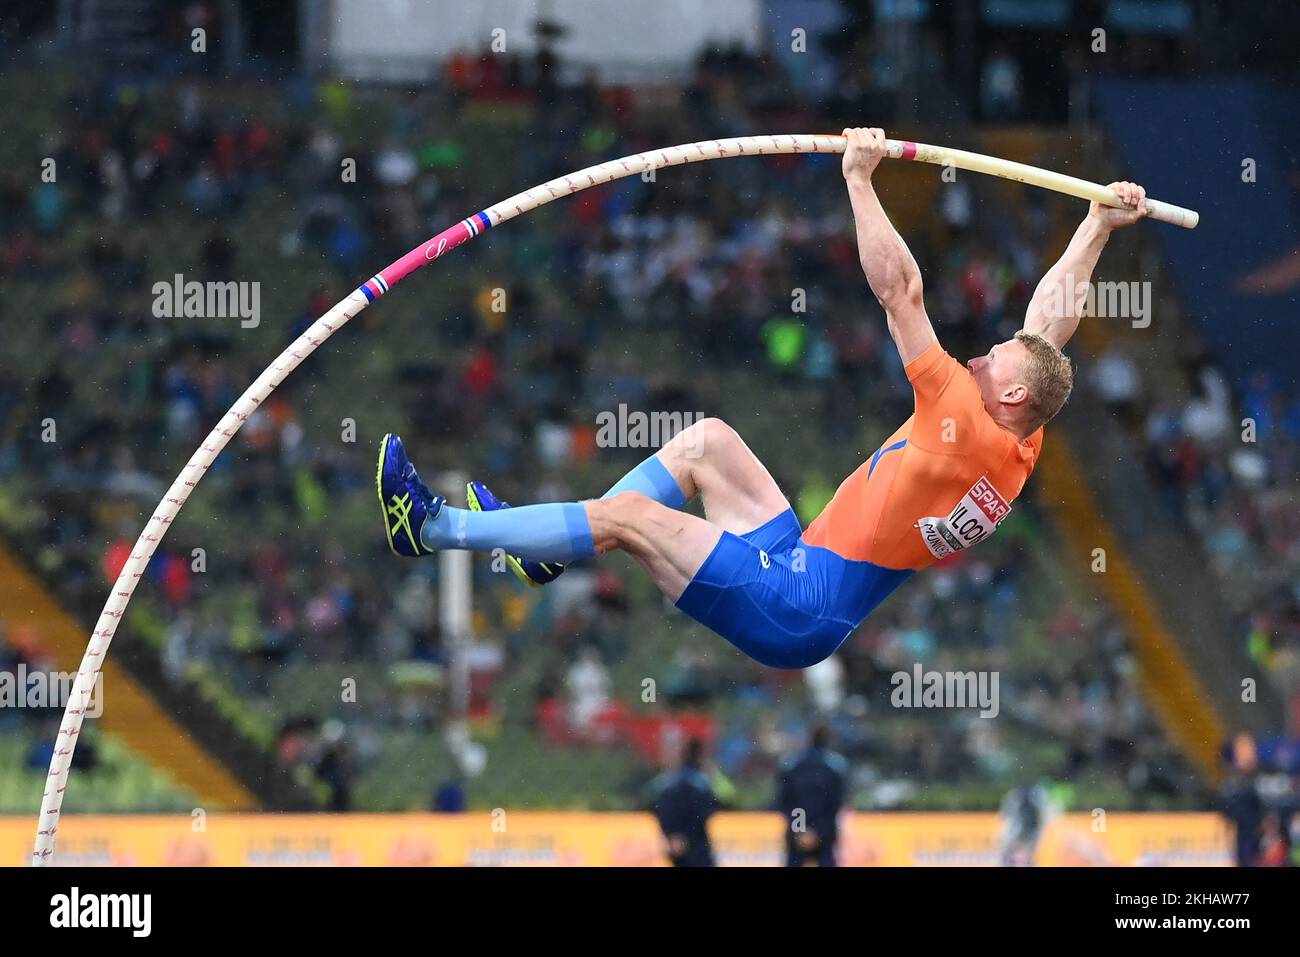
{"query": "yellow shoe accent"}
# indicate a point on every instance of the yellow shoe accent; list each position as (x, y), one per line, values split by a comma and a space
(511, 562)
(399, 514)
(379, 491)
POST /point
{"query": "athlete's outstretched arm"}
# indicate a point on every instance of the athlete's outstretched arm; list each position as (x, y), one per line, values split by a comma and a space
(891, 271)
(1058, 301)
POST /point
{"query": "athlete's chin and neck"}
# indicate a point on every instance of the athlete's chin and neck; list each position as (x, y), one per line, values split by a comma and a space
(1024, 382)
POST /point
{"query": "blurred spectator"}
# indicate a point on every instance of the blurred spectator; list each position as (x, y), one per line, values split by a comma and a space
(825, 681)
(1119, 382)
(1241, 802)
(450, 797)
(812, 789)
(1024, 814)
(588, 684)
(1001, 86)
(683, 801)
(333, 765)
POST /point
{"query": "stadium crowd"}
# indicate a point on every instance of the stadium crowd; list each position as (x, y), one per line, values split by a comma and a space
(291, 569)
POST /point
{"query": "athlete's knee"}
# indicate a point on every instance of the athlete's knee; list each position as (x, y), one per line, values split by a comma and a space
(628, 507)
(617, 520)
(710, 436)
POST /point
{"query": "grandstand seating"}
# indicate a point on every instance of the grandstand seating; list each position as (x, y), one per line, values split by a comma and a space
(299, 592)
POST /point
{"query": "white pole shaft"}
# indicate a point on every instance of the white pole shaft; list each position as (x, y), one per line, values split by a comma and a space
(1034, 176)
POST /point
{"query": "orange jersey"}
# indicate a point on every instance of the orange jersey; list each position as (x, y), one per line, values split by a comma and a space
(943, 482)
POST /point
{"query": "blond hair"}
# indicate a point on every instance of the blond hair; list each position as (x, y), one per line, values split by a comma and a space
(1048, 374)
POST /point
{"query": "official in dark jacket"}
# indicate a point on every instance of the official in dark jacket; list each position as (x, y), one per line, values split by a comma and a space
(683, 801)
(811, 788)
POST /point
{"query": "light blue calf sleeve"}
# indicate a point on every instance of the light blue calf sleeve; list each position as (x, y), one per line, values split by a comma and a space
(651, 478)
(556, 532)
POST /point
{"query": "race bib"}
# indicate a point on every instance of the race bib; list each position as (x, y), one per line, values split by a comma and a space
(972, 520)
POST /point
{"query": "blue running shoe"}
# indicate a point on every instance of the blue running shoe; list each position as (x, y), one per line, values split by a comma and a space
(404, 499)
(536, 574)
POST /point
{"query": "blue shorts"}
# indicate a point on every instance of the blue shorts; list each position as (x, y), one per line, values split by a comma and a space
(782, 602)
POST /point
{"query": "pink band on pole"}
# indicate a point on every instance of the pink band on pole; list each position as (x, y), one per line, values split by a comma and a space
(425, 253)
(909, 150)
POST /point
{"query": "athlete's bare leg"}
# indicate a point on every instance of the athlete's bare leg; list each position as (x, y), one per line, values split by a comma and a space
(711, 460)
(670, 545)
